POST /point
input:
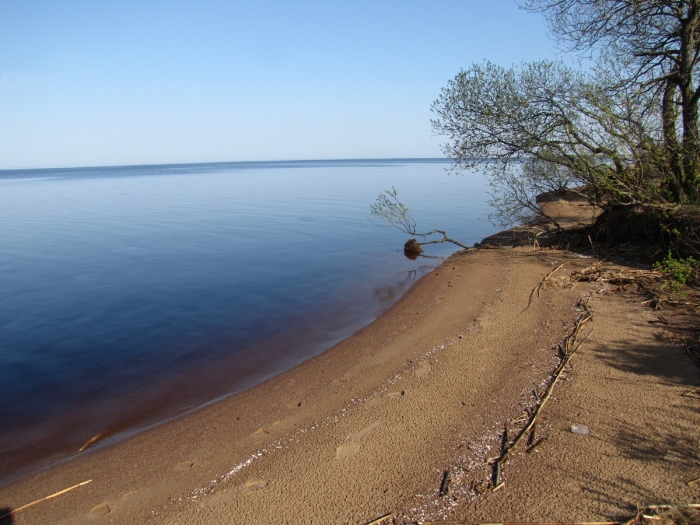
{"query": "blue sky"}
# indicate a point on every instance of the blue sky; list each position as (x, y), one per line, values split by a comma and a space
(85, 83)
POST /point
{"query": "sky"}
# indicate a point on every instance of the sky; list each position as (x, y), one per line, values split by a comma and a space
(85, 83)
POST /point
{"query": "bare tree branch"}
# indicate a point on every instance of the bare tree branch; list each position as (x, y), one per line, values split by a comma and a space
(388, 208)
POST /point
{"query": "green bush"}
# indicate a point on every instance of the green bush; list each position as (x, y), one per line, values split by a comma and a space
(679, 272)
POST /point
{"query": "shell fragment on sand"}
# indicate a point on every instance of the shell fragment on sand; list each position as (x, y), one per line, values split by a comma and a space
(579, 429)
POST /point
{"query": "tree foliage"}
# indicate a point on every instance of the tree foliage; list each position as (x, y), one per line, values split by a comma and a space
(388, 208)
(624, 132)
(655, 44)
(546, 127)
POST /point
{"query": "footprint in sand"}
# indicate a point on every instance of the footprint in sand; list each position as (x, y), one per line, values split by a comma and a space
(354, 441)
(376, 402)
(423, 369)
(252, 486)
(100, 510)
(347, 376)
(226, 496)
(379, 401)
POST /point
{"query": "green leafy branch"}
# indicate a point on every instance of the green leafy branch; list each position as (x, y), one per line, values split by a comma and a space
(389, 209)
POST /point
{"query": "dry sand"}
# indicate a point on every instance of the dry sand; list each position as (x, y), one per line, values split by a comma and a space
(369, 427)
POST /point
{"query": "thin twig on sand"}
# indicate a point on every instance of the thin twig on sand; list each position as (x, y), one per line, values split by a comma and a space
(666, 514)
(570, 350)
(44, 499)
(445, 485)
(537, 288)
(383, 518)
(692, 393)
(519, 523)
(536, 444)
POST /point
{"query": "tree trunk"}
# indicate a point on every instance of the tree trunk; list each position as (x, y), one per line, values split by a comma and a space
(691, 158)
(671, 146)
(689, 102)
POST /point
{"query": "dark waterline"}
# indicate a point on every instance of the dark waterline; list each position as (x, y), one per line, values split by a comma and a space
(132, 294)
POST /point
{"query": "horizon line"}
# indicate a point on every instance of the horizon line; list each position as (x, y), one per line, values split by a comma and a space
(105, 166)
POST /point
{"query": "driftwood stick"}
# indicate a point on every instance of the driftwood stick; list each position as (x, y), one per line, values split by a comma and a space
(682, 506)
(584, 340)
(44, 499)
(383, 518)
(571, 338)
(91, 441)
(505, 443)
(536, 444)
(445, 485)
(497, 472)
(537, 288)
(548, 392)
(505, 446)
(521, 418)
(545, 397)
(592, 268)
(531, 437)
(692, 393)
(532, 294)
(520, 523)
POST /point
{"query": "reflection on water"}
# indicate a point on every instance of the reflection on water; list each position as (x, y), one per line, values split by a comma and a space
(130, 292)
(392, 292)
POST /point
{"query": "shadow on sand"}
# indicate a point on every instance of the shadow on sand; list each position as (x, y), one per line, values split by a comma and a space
(7, 519)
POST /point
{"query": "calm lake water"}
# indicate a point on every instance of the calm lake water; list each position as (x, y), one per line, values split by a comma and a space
(129, 295)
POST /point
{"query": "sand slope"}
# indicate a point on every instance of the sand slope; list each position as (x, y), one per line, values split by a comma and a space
(370, 426)
(628, 386)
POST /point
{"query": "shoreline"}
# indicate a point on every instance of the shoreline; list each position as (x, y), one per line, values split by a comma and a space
(340, 360)
(363, 429)
(116, 326)
(183, 394)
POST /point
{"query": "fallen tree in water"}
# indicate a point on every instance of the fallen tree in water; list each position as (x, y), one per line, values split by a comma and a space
(388, 208)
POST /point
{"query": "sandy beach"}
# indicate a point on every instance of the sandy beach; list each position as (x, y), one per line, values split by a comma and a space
(369, 428)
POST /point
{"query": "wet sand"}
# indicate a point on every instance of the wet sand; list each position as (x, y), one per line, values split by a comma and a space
(369, 427)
